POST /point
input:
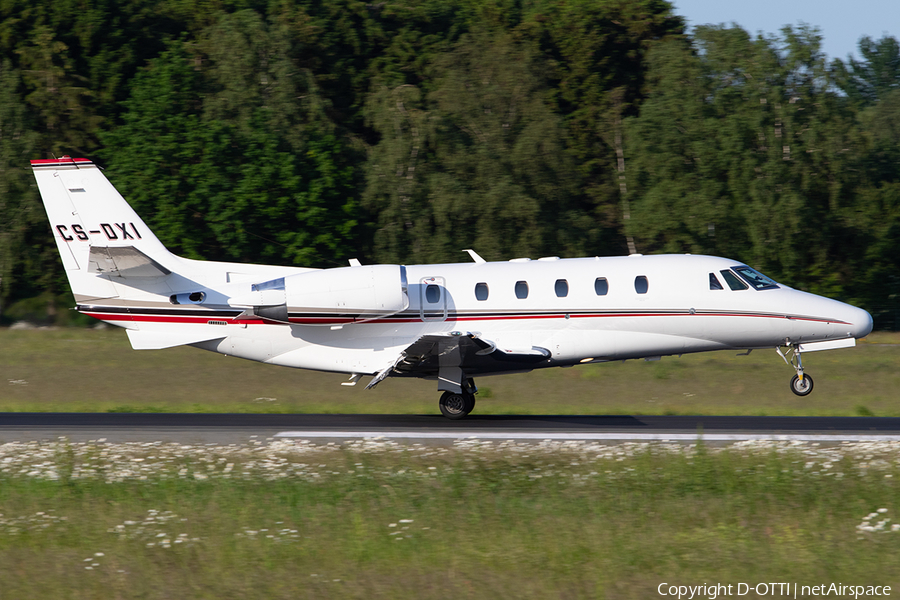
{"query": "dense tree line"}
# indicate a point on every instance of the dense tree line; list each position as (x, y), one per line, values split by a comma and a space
(308, 132)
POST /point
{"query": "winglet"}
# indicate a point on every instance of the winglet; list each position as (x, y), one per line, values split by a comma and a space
(474, 256)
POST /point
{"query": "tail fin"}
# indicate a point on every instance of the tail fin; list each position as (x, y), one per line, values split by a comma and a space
(98, 234)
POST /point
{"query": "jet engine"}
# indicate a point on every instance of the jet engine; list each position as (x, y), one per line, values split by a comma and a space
(322, 297)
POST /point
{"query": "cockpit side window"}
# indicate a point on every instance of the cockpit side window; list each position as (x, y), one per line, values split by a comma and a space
(714, 283)
(757, 280)
(733, 282)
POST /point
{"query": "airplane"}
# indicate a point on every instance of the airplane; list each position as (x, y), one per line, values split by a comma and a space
(447, 322)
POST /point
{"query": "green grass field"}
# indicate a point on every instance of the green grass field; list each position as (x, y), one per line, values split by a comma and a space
(376, 520)
(565, 521)
(72, 370)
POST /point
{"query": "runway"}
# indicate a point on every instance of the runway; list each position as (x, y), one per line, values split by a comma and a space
(434, 429)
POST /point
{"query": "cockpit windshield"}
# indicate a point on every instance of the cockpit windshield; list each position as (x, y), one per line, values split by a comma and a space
(757, 280)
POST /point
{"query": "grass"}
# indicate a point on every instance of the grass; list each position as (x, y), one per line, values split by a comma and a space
(564, 521)
(71, 370)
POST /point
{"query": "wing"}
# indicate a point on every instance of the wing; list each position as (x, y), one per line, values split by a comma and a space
(452, 356)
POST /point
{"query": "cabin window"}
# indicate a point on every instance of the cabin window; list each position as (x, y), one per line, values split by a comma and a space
(714, 283)
(481, 291)
(562, 288)
(521, 290)
(433, 294)
(757, 280)
(641, 285)
(601, 286)
(733, 282)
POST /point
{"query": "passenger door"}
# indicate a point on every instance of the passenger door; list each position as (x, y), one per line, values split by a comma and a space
(433, 299)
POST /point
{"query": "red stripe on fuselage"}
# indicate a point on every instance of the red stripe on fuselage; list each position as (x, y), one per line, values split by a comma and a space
(169, 319)
(450, 318)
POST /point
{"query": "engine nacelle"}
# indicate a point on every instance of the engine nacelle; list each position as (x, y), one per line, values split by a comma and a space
(329, 296)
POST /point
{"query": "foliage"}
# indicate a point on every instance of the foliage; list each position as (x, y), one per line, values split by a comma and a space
(305, 133)
(373, 519)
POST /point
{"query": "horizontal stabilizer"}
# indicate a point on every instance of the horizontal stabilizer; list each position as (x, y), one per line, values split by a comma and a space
(123, 261)
(157, 340)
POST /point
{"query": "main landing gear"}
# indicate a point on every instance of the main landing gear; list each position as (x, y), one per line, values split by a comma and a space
(456, 405)
(801, 384)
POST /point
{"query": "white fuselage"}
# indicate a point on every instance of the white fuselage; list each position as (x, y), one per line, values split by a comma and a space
(677, 314)
(450, 321)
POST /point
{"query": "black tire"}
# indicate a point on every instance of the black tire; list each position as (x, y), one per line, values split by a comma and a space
(456, 406)
(804, 388)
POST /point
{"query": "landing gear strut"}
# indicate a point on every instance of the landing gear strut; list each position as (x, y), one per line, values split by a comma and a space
(801, 384)
(456, 405)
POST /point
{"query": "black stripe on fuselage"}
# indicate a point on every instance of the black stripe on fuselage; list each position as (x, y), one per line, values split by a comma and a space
(451, 316)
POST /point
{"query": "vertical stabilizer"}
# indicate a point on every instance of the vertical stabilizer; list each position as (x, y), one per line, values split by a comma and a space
(99, 236)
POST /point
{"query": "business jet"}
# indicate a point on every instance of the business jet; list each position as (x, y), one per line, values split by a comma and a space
(448, 322)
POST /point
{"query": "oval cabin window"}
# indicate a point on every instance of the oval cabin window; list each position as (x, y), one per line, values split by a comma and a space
(481, 291)
(641, 285)
(432, 294)
(521, 290)
(601, 286)
(562, 288)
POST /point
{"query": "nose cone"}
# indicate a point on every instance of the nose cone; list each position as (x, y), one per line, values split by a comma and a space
(858, 322)
(845, 321)
(861, 322)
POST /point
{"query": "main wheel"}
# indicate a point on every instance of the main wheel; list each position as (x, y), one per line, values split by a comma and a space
(456, 406)
(802, 388)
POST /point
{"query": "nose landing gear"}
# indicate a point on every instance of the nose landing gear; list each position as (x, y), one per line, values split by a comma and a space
(801, 387)
(801, 384)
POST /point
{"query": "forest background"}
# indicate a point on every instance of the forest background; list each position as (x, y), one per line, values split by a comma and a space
(307, 133)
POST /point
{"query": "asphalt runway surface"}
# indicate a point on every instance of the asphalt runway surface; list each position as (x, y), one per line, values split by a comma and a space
(434, 429)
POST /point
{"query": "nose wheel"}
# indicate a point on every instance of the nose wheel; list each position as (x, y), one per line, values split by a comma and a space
(801, 387)
(801, 384)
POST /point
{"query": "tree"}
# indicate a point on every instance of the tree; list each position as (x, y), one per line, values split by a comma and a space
(222, 160)
(20, 211)
(597, 54)
(740, 150)
(478, 162)
(57, 93)
(875, 76)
